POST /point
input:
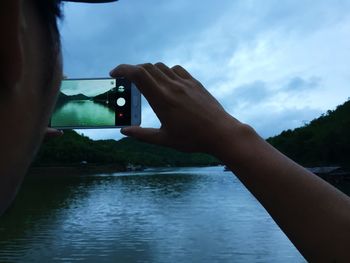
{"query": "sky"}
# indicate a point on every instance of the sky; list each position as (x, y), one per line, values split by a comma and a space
(273, 64)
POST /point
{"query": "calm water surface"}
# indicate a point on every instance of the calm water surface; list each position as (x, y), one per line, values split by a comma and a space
(182, 215)
(83, 112)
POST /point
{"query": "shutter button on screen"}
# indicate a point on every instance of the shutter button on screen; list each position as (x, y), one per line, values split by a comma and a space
(121, 102)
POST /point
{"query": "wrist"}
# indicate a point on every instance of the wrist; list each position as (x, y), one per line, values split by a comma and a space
(236, 143)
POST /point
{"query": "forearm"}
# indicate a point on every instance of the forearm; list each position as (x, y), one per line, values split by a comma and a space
(312, 213)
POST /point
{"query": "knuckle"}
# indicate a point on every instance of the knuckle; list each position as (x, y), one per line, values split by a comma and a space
(147, 66)
(138, 72)
(160, 64)
(174, 94)
(177, 67)
(123, 66)
(120, 69)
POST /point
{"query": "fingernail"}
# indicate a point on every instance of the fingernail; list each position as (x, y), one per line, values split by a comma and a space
(125, 130)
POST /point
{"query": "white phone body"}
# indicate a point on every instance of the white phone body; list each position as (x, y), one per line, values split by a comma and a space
(135, 106)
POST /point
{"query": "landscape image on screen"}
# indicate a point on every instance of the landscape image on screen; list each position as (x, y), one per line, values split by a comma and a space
(85, 103)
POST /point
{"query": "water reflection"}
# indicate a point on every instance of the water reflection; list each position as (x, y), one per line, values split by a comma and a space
(170, 216)
(83, 112)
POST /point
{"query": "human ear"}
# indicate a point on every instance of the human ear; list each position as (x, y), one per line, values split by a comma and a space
(11, 53)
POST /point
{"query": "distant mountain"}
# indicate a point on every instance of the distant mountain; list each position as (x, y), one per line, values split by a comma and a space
(73, 148)
(108, 95)
(63, 98)
(103, 96)
(324, 141)
(79, 96)
(62, 95)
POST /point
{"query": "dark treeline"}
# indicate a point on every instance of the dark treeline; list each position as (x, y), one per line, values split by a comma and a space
(73, 149)
(324, 141)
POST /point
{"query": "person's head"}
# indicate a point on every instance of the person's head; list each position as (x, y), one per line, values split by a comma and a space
(30, 74)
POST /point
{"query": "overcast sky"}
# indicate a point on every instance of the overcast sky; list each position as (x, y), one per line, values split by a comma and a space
(274, 64)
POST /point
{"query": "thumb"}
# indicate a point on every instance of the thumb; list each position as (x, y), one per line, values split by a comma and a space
(149, 135)
(52, 133)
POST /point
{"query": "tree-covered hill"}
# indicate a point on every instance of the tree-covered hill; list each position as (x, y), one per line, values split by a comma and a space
(324, 141)
(72, 149)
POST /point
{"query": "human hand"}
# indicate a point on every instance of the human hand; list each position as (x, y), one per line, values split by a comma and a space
(52, 133)
(192, 120)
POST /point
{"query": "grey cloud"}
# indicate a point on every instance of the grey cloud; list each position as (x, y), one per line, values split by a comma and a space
(131, 32)
(258, 92)
(294, 16)
(98, 37)
(300, 84)
(269, 123)
(251, 93)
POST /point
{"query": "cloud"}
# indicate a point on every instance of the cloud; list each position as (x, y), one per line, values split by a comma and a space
(271, 122)
(247, 94)
(300, 84)
(263, 60)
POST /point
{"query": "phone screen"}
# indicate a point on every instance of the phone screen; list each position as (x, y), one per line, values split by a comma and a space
(89, 103)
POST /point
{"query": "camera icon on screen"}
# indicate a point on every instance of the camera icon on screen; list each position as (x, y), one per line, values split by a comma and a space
(121, 89)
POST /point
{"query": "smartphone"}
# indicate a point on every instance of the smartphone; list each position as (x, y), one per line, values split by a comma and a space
(97, 103)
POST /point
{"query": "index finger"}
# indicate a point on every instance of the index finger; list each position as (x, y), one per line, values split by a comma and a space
(137, 74)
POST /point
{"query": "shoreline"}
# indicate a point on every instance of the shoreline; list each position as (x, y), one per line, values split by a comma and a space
(82, 170)
(74, 170)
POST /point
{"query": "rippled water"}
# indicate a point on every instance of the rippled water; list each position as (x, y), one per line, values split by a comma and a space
(183, 215)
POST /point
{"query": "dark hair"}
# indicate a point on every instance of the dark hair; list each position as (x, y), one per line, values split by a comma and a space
(49, 11)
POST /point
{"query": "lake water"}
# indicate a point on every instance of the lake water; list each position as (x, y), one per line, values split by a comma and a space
(180, 215)
(83, 113)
